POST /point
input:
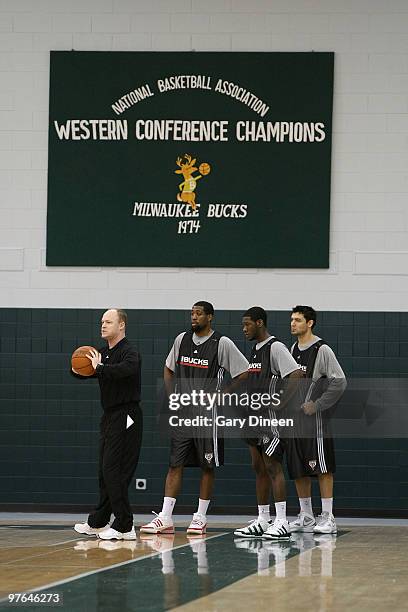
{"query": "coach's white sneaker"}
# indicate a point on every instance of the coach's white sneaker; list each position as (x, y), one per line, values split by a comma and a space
(160, 524)
(255, 529)
(325, 523)
(304, 522)
(85, 529)
(198, 525)
(278, 531)
(85, 545)
(112, 534)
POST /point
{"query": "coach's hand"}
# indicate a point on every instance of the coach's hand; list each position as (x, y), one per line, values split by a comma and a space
(309, 408)
(95, 358)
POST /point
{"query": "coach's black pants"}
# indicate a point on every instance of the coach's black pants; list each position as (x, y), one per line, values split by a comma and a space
(118, 457)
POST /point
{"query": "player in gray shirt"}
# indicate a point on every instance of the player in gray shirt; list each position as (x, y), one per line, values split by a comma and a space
(312, 453)
(197, 361)
(272, 369)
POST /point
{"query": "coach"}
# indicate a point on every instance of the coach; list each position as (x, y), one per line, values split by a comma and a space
(117, 367)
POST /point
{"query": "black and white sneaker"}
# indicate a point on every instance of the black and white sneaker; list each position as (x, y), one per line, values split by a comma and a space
(255, 529)
(251, 545)
(278, 531)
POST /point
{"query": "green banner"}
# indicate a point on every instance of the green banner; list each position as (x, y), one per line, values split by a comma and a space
(189, 159)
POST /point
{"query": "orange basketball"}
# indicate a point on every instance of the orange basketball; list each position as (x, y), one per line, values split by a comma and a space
(80, 363)
(204, 168)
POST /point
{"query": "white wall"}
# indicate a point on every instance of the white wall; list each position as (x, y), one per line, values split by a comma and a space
(369, 223)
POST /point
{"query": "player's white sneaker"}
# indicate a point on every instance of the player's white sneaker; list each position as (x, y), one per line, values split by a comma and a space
(304, 522)
(255, 529)
(325, 523)
(113, 534)
(198, 525)
(278, 531)
(160, 524)
(85, 529)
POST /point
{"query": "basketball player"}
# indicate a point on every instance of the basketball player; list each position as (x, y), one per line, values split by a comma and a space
(270, 361)
(197, 359)
(313, 454)
(117, 368)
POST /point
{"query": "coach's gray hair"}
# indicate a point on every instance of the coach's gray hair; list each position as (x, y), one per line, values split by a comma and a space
(122, 315)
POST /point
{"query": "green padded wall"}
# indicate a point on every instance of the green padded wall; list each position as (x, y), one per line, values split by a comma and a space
(49, 421)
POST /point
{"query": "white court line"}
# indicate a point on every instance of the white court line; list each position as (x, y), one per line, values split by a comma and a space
(105, 569)
(78, 539)
(65, 542)
(52, 544)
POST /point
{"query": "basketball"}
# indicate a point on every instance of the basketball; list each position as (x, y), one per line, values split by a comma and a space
(80, 363)
(204, 168)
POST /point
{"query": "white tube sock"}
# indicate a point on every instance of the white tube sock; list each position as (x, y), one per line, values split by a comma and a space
(168, 506)
(327, 504)
(264, 512)
(203, 506)
(306, 505)
(280, 508)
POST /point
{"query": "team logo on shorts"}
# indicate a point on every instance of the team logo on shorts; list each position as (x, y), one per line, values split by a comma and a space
(187, 187)
(313, 464)
(265, 440)
(208, 456)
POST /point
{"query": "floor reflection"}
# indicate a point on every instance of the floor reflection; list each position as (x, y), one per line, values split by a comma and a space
(272, 555)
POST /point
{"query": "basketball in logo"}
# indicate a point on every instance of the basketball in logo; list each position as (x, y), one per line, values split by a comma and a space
(204, 168)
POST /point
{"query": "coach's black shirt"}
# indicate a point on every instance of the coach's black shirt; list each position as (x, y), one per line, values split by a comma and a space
(119, 376)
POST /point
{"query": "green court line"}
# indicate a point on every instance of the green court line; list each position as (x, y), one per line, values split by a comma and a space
(162, 581)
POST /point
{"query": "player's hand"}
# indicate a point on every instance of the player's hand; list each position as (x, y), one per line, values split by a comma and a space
(309, 408)
(95, 358)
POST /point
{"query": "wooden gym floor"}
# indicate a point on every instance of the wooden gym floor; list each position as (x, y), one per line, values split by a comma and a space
(364, 568)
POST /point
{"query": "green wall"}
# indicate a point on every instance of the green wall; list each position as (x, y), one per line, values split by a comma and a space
(49, 421)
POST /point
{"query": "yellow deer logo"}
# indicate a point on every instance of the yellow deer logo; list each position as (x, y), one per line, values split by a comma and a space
(189, 184)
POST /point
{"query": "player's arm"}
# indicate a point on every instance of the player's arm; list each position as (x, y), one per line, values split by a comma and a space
(129, 366)
(168, 376)
(290, 387)
(231, 358)
(170, 365)
(328, 366)
(236, 383)
(283, 362)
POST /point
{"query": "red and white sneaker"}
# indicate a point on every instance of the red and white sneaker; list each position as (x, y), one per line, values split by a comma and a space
(198, 525)
(160, 524)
